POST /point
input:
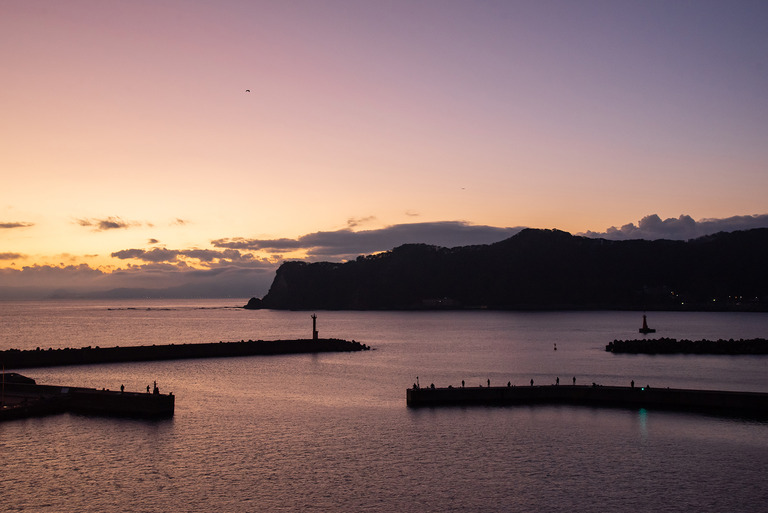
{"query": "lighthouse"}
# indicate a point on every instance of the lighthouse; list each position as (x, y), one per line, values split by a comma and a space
(645, 329)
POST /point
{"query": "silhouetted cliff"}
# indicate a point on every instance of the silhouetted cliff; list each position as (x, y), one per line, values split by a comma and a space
(538, 269)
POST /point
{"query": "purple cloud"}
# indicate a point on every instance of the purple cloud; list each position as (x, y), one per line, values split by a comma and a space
(345, 243)
(652, 227)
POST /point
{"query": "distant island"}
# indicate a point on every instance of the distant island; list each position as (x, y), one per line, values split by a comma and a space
(538, 270)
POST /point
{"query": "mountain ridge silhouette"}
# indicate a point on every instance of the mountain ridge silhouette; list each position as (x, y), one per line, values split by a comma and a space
(537, 269)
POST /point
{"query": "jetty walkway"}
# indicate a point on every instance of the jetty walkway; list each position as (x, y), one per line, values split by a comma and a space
(22, 397)
(20, 359)
(715, 401)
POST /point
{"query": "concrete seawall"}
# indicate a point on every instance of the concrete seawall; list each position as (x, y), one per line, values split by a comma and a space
(747, 403)
(22, 400)
(18, 359)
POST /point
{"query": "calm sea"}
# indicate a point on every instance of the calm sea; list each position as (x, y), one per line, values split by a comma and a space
(332, 432)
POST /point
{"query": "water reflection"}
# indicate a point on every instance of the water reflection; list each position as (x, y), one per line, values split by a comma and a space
(642, 416)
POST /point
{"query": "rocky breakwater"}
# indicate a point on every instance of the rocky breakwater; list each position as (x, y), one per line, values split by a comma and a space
(19, 359)
(674, 346)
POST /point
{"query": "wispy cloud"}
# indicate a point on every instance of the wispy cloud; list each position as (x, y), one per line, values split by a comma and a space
(353, 222)
(346, 243)
(652, 227)
(8, 226)
(109, 223)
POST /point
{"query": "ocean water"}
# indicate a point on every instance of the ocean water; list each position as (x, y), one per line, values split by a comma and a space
(332, 432)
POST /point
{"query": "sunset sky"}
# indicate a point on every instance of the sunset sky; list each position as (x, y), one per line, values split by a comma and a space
(188, 143)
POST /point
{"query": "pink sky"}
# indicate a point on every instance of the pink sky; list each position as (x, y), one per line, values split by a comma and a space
(127, 125)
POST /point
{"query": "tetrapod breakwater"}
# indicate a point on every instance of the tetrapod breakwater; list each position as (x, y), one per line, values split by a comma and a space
(752, 346)
(20, 359)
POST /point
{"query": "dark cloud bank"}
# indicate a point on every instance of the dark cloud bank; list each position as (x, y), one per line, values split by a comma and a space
(232, 271)
(155, 281)
(345, 244)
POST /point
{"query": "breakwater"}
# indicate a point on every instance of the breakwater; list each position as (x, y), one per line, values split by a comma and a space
(22, 398)
(715, 401)
(674, 346)
(20, 359)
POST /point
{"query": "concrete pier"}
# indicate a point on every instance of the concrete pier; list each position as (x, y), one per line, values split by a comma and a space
(716, 401)
(21, 399)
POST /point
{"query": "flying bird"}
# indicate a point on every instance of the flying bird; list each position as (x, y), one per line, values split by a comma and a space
(247, 90)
